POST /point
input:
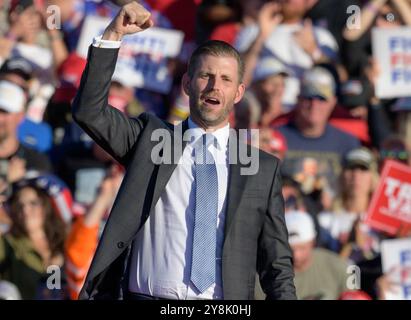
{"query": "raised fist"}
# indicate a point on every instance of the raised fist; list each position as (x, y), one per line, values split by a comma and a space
(132, 18)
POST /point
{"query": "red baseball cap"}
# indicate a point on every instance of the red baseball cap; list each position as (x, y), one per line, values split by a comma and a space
(69, 73)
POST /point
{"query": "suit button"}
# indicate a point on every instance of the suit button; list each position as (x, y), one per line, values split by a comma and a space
(120, 245)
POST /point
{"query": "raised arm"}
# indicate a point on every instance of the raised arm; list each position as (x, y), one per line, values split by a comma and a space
(404, 9)
(268, 19)
(368, 14)
(110, 128)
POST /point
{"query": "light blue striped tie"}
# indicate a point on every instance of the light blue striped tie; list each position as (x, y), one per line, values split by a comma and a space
(203, 267)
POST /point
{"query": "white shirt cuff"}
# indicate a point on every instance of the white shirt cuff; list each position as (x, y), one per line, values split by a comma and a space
(107, 44)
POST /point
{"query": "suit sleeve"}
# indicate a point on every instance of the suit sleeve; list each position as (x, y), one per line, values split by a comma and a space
(107, 126)
(274, 262)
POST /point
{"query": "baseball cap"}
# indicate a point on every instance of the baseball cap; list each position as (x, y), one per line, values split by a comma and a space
(12, 97)
(19, 66)
(59, 193)
(300, 227)
(36, 135)
(361, 157)
(318, 82)
(8, 291)
(267, 67)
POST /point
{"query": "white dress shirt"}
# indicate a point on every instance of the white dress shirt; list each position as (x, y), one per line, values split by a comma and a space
(108, 44)
(161, 253)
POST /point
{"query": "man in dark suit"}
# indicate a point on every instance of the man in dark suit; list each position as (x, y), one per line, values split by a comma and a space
(185, 229)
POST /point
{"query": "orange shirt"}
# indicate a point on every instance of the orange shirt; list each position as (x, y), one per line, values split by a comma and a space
(80, 246)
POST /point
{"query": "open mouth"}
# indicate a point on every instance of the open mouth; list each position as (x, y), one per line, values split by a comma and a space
(212, 101)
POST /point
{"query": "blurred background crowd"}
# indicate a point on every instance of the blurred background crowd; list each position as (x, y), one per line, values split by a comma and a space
(311, 82)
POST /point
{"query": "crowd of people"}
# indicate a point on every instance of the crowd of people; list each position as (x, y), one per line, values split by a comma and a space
(311, 92)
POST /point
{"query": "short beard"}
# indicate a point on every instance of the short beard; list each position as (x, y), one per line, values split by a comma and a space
(211, 120)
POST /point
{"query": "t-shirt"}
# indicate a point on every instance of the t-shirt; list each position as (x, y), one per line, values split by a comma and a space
(282, 46)
(325, 279)
(316, 162)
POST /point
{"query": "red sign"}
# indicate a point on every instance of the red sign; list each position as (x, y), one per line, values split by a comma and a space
(390, 207)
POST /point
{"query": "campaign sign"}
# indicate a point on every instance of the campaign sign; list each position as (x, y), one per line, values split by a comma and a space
(392, 51)
(396, 265)
(390, 207)
(143, 57)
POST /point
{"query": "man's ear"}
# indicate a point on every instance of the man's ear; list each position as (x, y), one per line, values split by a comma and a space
(186, 84)
(240, 93)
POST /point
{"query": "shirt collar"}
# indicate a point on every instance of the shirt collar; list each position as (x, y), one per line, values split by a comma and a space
(221, 134)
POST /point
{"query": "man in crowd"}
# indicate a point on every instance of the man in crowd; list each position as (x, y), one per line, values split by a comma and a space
(315, 148)
(319, 274)
(16, 158)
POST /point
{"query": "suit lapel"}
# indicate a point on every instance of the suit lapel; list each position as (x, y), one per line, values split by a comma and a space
(166, 170)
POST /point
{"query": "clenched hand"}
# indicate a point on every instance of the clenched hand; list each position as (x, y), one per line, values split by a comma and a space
(132, 18)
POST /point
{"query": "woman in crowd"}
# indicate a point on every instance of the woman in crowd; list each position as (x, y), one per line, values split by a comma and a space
(342, 230)
(35, 242)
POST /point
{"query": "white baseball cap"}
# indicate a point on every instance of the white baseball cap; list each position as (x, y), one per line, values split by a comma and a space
(300, 227)
(267, 67)
(12, 97)
(8, 291)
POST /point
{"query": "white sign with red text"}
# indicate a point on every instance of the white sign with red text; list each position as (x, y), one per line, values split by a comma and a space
(390, 207)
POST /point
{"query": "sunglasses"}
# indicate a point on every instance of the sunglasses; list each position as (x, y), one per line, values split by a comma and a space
(394, 154)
